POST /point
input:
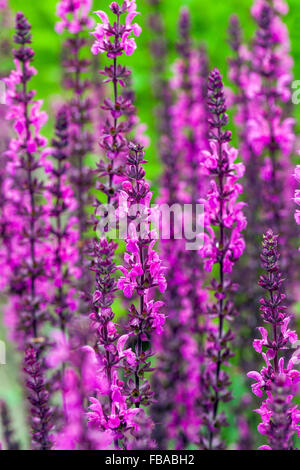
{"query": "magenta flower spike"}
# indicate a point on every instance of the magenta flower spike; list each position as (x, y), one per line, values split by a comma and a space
(109, 347)
(223, 245)
(113, 41)
(278, 379)
(40, 413)
(29, 264)
(75, 21)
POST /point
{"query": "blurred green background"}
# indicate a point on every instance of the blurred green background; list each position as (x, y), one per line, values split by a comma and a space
(209, 25)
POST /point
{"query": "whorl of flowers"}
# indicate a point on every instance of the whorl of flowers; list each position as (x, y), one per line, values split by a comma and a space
(278, 379)
(113, 414)
(104, 32)
(108, 411)
(223, 245)
(114, 143)
(29, 264)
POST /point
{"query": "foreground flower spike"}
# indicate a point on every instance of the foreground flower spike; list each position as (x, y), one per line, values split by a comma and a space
(142, 272)
(223, 245)
(103, 33)
(7, 433)
(64, 226)
(110, 412)
(30, 280)
(278, 379)
(38, 399)
(74, 20)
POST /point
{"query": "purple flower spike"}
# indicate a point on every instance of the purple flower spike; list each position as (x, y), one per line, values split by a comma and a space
(116, 405)
(142, 271)
(222, 247)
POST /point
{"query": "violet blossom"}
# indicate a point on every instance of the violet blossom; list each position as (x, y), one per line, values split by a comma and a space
(142, 271)
(110, 348)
